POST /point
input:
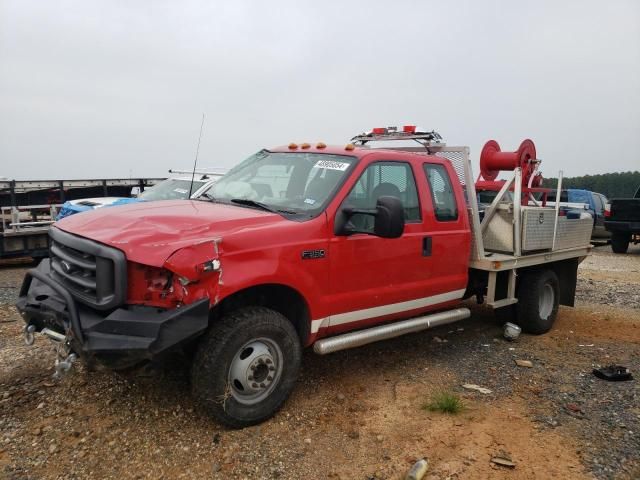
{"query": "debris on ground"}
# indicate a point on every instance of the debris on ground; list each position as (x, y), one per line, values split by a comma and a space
(477, 388)
(574, 410)
(503, 459)
(524, 363)
(511, 331)
(613, 373)
(418, 470)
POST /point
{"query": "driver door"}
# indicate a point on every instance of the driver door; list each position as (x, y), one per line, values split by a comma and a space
(369, 274)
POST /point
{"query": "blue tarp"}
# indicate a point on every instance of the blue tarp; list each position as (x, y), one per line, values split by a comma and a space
(69, 208)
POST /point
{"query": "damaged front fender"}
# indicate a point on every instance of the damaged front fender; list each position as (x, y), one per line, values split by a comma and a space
(194, 261)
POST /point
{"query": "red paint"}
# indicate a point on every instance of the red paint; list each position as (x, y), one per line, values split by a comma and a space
(150, 232)
(167, 243)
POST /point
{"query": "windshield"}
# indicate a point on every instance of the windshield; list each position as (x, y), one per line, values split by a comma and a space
(170, 189)
(287, 183)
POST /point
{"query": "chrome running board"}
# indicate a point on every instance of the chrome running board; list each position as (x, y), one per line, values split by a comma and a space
(391, 330)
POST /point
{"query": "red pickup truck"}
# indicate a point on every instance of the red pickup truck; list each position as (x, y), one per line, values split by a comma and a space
(296, 246)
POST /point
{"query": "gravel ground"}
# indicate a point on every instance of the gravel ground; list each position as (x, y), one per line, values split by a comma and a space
(10, 281)
(355, 414)
(607, 278)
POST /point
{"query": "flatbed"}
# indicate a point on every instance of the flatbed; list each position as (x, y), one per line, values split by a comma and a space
(29, 207)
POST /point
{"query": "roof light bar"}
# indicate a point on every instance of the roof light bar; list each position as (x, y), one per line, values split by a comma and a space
(406, 132)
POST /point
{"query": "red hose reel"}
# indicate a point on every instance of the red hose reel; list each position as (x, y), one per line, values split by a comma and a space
(493, 161)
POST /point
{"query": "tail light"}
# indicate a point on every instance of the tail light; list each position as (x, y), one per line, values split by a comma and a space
(607, 210)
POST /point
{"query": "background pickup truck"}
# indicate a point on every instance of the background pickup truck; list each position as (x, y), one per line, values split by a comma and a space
(592, 202)
(623, 221)
(303, 246)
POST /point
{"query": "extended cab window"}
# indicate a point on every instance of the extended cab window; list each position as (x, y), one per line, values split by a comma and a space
(380, 179)
(444, 201)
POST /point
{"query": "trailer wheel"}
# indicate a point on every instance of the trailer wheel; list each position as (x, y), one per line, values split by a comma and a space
(246, 366)
(620, 242)
(538, 300)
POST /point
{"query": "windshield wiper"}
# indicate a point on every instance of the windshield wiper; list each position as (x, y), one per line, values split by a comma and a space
(260, 205)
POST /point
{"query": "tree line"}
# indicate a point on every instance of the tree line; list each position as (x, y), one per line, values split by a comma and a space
(611, 185)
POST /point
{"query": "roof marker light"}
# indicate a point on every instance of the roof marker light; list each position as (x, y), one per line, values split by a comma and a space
(349, 146)
(305, 145)
(321, 145)
(409, 129)
(293, 146)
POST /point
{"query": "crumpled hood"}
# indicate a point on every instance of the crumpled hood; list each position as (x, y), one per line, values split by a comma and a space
(150, 232)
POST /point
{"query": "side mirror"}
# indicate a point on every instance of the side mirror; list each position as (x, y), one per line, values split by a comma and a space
(388, 219)
(389, 222)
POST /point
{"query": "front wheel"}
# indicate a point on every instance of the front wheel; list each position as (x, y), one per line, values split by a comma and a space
(246, 366)
(620, 242)
(538, 300)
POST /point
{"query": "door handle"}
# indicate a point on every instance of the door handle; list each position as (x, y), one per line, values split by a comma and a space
(426, 247)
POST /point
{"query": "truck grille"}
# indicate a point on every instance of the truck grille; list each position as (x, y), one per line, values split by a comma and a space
(93, 273)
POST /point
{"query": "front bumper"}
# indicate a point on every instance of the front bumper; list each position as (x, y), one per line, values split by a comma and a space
(118, 338)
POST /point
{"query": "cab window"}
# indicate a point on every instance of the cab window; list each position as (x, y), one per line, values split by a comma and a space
(444, 200)
(380, 179)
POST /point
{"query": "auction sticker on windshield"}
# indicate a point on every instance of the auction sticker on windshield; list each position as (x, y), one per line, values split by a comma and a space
(331, 165)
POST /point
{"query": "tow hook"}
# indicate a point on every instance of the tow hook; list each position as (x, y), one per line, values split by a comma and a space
(65, 358)
(29, 336)
(63, 365)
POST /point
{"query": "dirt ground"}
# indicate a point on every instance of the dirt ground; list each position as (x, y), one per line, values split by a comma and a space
(356, 414)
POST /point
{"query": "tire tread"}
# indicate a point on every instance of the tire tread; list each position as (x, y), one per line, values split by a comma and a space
(212, 349)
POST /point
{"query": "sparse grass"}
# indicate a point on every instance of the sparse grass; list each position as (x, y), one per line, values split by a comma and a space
(444, 402)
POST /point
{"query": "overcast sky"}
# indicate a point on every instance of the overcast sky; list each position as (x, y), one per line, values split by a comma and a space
(118, 88)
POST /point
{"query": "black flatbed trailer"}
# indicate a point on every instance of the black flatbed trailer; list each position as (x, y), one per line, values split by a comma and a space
(29, 207)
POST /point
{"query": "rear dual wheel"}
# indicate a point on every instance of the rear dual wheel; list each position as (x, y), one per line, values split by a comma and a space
(538, 301)
(538, 296)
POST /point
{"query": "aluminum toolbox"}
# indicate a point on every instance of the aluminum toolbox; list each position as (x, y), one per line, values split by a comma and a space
(537, 230)
(498, 236)
(574, 232)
